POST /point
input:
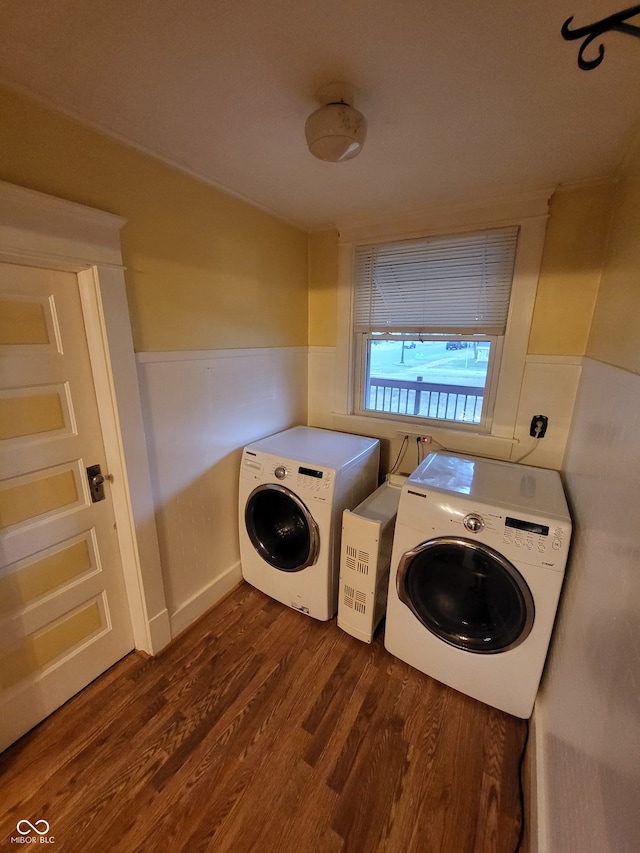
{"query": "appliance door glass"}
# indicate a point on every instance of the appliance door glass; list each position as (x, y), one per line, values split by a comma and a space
(281, 528)
(467, 594)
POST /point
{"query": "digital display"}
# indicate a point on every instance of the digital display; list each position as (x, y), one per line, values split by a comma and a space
(310, 472)
(528, 526)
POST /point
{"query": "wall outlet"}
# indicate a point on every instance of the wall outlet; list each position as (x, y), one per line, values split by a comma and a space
(401, 433)
(538, 428)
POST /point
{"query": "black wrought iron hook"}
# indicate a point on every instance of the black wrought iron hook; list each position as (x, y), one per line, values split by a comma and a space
(591, 32)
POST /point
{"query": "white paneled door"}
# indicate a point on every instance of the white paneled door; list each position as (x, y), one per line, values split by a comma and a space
(64, 614)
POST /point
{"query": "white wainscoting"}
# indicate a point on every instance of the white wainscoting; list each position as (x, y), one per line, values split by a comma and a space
(321, 405)
(587, 731)
(548, 388)
(200, 409)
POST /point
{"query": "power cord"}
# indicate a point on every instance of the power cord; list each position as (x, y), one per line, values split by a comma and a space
(538, 432)
(528, 453)
(421, 441)
(521, 788)
(401, 453)
(419, 451)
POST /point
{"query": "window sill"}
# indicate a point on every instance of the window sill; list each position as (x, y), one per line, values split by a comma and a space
(460, 441)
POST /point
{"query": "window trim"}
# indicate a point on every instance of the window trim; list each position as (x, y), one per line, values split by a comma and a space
(530, 214)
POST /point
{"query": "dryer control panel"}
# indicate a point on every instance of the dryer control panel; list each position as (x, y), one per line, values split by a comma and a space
(516, 537)
(542, 542)
(531, 535)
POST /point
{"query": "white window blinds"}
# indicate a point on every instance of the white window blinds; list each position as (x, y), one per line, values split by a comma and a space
(458, 283)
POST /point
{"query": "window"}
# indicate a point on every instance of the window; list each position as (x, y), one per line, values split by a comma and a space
(429, 321)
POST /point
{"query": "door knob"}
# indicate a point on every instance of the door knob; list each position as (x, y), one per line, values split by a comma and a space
(96, 482)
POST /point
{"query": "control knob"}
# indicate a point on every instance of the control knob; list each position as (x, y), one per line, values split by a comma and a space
(280, 472)
(473, 522)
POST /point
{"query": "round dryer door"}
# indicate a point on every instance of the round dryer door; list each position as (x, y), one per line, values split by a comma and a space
(281, 528)
(467, 594)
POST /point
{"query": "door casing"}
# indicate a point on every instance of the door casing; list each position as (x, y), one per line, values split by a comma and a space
(43, 231)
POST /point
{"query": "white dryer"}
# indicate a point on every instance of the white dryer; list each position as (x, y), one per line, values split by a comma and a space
(477, 567)
(294, 487)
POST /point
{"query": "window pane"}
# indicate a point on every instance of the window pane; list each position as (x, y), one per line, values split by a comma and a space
(436, 379)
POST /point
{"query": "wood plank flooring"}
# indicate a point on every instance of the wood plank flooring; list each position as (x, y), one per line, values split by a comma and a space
(260, 729)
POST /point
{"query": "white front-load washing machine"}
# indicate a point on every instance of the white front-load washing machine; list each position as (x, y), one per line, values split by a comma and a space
(294, 487)
(477, 567)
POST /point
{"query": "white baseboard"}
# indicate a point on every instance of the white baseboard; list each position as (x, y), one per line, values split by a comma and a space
(159, 632)
(191, 610)
(535, 806)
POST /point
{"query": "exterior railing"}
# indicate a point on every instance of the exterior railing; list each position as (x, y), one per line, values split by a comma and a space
(425, 399)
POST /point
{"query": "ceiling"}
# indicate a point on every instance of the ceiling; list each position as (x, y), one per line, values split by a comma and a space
(464, 100)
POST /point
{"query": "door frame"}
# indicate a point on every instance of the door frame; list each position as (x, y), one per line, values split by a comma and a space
(43, 231)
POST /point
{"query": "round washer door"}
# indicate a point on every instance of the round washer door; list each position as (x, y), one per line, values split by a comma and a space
(281, 528)
(466, 594)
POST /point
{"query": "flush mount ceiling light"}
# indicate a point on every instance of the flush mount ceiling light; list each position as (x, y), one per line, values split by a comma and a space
(336, 131)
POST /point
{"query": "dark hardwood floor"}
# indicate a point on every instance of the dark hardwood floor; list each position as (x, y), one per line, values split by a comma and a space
(260, 729)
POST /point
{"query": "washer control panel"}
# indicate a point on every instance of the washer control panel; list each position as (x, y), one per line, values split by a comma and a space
(316, 481)
(313, 479)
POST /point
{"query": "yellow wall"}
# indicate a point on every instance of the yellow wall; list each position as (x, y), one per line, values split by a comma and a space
(204, 270)
(323, 288)
(571, 268)
(615, 332)
(208, 271)
(574, 253)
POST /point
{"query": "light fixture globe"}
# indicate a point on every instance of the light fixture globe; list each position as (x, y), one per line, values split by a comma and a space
(336, 132)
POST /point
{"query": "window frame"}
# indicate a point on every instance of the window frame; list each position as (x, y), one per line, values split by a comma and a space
(530, 214)
(361, 371)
